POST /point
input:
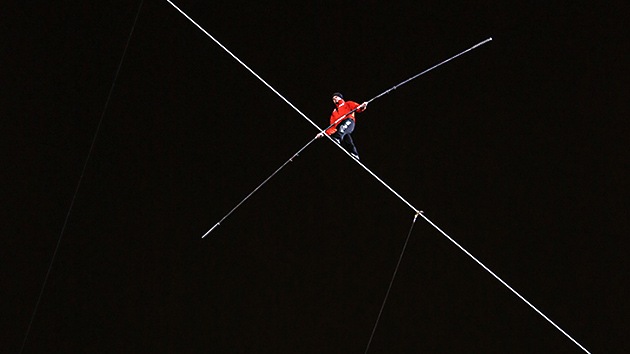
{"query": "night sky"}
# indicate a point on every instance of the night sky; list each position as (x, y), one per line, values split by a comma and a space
(518, 150)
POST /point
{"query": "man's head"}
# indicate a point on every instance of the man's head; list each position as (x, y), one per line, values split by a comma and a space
(337, 97)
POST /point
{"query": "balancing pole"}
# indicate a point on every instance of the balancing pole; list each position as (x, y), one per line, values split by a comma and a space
(322, 132)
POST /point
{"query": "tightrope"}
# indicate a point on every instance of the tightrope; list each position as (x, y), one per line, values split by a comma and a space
(416, 211)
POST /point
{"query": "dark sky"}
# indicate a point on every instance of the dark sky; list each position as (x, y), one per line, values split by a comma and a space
(518, 150)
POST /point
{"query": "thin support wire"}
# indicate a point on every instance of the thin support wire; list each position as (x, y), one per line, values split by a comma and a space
(391, 282)
(76, 191)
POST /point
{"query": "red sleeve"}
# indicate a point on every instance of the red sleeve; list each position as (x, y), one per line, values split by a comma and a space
(352, 105)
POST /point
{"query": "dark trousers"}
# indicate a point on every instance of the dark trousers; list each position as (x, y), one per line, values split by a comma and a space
(342, 135)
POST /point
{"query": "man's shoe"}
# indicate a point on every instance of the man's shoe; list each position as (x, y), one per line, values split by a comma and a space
(355, 156)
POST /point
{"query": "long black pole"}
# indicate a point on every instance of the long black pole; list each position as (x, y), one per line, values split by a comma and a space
(332, 124)
(259, 186)
(409, 79)
(429, 69)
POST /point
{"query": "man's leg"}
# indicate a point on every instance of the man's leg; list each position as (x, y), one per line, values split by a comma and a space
(342, 136)
(348, 144)
(345, 127)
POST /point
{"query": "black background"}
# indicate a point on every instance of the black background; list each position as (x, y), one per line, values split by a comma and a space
(518, 150)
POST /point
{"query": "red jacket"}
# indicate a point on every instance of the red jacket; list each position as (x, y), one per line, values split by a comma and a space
(342, 108)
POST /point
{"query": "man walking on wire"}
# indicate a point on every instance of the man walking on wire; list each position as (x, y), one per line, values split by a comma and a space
(340, 131)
